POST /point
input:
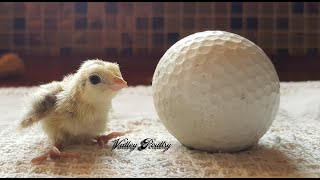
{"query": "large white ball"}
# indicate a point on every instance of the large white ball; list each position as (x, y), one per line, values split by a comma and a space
(216, 91)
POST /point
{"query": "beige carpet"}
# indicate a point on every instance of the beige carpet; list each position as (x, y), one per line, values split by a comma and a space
(291, 148)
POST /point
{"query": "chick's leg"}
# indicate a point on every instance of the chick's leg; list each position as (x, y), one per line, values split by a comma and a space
(104, 139)
(55, 153)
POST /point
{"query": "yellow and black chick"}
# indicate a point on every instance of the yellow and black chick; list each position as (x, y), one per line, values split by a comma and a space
(77, 107)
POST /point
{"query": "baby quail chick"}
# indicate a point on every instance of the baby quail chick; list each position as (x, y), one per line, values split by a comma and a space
(76, 109)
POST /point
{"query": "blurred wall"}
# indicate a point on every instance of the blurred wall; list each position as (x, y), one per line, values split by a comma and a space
(134, 28)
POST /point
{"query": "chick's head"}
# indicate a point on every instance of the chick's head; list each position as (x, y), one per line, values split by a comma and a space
(100, 80)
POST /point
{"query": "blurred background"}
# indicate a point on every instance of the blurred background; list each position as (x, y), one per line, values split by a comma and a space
(42, 41)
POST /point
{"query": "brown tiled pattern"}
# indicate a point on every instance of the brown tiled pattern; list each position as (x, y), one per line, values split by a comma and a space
(133, 28)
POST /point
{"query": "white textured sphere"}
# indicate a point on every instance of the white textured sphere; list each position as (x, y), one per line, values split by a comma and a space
(216, 91)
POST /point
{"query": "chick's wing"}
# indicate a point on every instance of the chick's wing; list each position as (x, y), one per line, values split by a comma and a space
(41, 102)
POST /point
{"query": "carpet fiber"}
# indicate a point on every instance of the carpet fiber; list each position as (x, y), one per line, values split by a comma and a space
(291, 147)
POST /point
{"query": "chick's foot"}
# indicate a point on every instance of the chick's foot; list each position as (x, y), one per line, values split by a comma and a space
(104, 139)
(55, 153)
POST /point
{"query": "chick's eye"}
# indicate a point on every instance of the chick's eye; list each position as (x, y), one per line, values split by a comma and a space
(94, 79)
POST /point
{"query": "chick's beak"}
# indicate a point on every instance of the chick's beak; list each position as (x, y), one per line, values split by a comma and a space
(118, 83)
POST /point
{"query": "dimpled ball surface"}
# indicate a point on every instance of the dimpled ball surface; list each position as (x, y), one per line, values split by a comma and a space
(216, 91)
